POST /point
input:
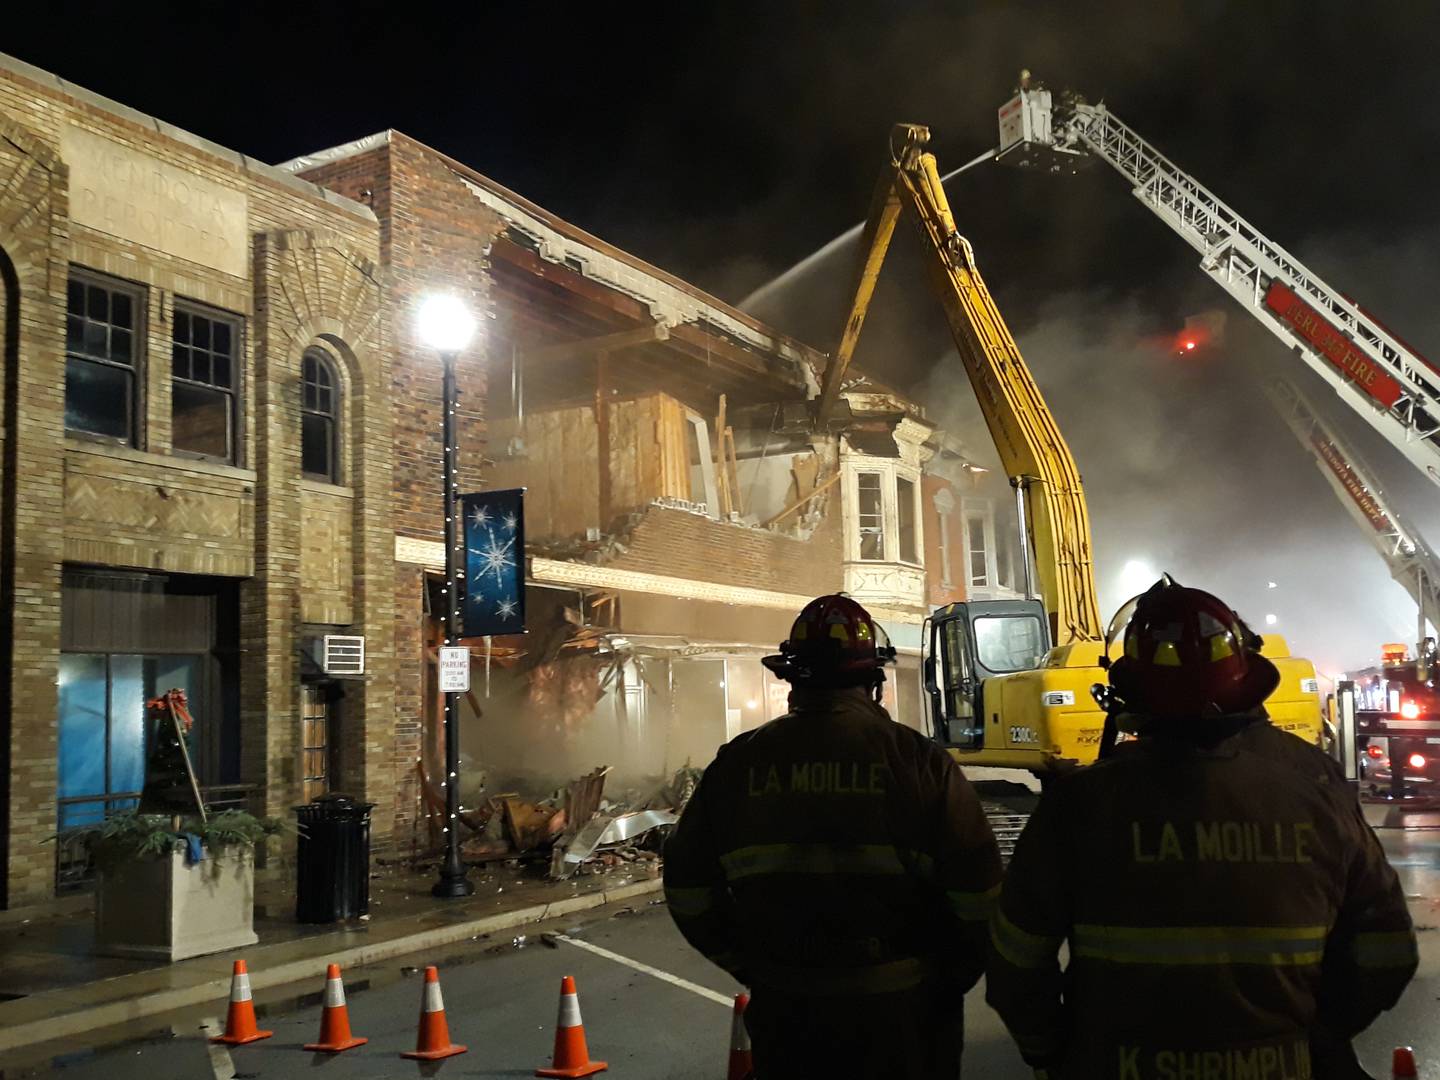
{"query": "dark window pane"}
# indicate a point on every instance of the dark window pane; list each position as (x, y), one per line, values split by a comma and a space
(95, 339)
(199, 332)
(871, 516)
(200, 366)
(120, 314)
(220, 371)
(75, 297)
(322, 375)
(97, 398)
(97, 306)
(200, 420)
(326, 404)
(74, 332)
(180, 361)
(316, 447)
(308, 397)
(182, 326)
(221, 342)
(120, 346)
(905, 518)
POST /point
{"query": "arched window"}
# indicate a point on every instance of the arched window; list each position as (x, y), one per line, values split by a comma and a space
(319, 418)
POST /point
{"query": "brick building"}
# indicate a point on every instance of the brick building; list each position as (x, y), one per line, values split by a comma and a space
(165, 304)
(209, 521)
(679, 508)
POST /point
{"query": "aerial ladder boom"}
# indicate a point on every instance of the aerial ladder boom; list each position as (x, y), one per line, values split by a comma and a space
(1410, 560)
(1387, 382)
(1032, 449)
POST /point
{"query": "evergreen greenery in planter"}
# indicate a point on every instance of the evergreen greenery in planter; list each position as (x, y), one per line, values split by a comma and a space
(130, 835)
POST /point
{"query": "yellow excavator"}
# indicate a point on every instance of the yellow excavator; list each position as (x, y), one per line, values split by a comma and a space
(1008, 681)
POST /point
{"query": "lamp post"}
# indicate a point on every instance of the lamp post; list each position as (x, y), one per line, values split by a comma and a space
(446, 326)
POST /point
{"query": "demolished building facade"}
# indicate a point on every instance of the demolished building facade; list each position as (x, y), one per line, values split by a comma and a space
(680, 505)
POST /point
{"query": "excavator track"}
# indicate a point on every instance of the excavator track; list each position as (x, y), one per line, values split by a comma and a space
(1007, 825)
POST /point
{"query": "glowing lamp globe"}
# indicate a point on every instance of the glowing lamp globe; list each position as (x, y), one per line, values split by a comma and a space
(445, 324)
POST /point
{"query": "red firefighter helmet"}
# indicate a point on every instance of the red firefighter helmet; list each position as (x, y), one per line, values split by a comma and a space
(1187, 654)
(835, 641)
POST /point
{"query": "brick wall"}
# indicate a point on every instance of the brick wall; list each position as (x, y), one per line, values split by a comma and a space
(312, 286)
(33, 251)
(435, 237)
(938, 592)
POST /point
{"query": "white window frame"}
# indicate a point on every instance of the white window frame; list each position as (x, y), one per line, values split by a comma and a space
(915, 512)
(887, 512)
(944, 502)
(890, 473)
(983, 511)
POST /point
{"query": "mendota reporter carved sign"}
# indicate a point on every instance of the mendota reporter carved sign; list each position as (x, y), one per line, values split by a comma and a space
(136, 197)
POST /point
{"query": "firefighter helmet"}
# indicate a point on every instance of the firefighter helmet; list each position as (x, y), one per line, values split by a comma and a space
(834, 641)
(1187, 653)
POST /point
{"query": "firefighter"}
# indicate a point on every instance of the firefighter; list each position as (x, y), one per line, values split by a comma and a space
(839, 865)
(1228, 911)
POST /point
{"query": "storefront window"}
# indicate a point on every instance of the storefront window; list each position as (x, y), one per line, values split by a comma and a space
(102, 734)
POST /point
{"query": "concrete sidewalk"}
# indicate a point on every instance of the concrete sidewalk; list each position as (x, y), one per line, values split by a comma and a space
(57, 987)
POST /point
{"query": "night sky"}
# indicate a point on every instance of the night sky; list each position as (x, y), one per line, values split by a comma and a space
(726, 141)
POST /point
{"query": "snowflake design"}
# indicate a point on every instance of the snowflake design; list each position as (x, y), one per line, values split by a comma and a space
(509, 522)
(506, 609)
(495, 557)
(480, 516)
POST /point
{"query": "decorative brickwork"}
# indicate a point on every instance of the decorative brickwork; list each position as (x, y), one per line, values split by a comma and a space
(311, 289)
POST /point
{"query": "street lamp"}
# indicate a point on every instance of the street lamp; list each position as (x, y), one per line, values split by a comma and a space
(446, 326)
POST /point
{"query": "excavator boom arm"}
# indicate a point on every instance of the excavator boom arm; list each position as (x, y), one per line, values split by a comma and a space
(1032, 449)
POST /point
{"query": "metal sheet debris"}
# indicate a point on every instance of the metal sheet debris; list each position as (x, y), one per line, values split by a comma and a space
(628, 826)
(606, 829)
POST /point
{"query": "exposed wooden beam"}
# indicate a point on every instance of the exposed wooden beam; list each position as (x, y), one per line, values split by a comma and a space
(722, 474)
(602, 435)
(783, 514)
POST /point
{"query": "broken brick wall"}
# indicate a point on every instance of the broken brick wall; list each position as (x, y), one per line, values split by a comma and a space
(676, 543)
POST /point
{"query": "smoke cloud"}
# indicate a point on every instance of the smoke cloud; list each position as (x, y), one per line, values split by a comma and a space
(1187, 469)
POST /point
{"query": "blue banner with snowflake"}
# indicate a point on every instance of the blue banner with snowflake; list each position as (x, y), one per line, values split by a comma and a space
(494, 562)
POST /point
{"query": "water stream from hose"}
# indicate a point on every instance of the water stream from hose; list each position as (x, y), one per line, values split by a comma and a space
(820, 254)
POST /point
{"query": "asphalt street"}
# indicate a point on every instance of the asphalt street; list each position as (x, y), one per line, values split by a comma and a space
(653, 1009)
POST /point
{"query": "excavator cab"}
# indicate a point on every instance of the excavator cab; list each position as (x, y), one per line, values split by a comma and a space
(966, 644)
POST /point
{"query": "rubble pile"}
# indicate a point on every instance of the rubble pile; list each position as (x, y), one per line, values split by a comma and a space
(577, 829)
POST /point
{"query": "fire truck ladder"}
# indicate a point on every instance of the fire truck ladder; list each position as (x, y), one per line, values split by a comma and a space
(1384, 380)
(1404, 550)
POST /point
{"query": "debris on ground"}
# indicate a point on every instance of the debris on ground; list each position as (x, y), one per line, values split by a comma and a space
(576, 829)
(532, 825)
(627, 831)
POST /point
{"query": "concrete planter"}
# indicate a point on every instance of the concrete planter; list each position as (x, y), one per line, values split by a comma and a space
(161, 909)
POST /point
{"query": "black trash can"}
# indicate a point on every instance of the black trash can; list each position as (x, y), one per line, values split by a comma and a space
(332, 876)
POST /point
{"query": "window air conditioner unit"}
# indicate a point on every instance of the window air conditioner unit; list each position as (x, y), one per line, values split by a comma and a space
(341, 654)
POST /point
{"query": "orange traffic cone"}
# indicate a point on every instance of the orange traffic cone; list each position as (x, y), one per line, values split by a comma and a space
(240, 1019)
(335, 1018)
(1402, 1064)
(741, 1065)
(572, 1056)
(433, 1041)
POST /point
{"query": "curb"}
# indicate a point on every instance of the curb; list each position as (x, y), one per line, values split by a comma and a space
(19, 1035)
